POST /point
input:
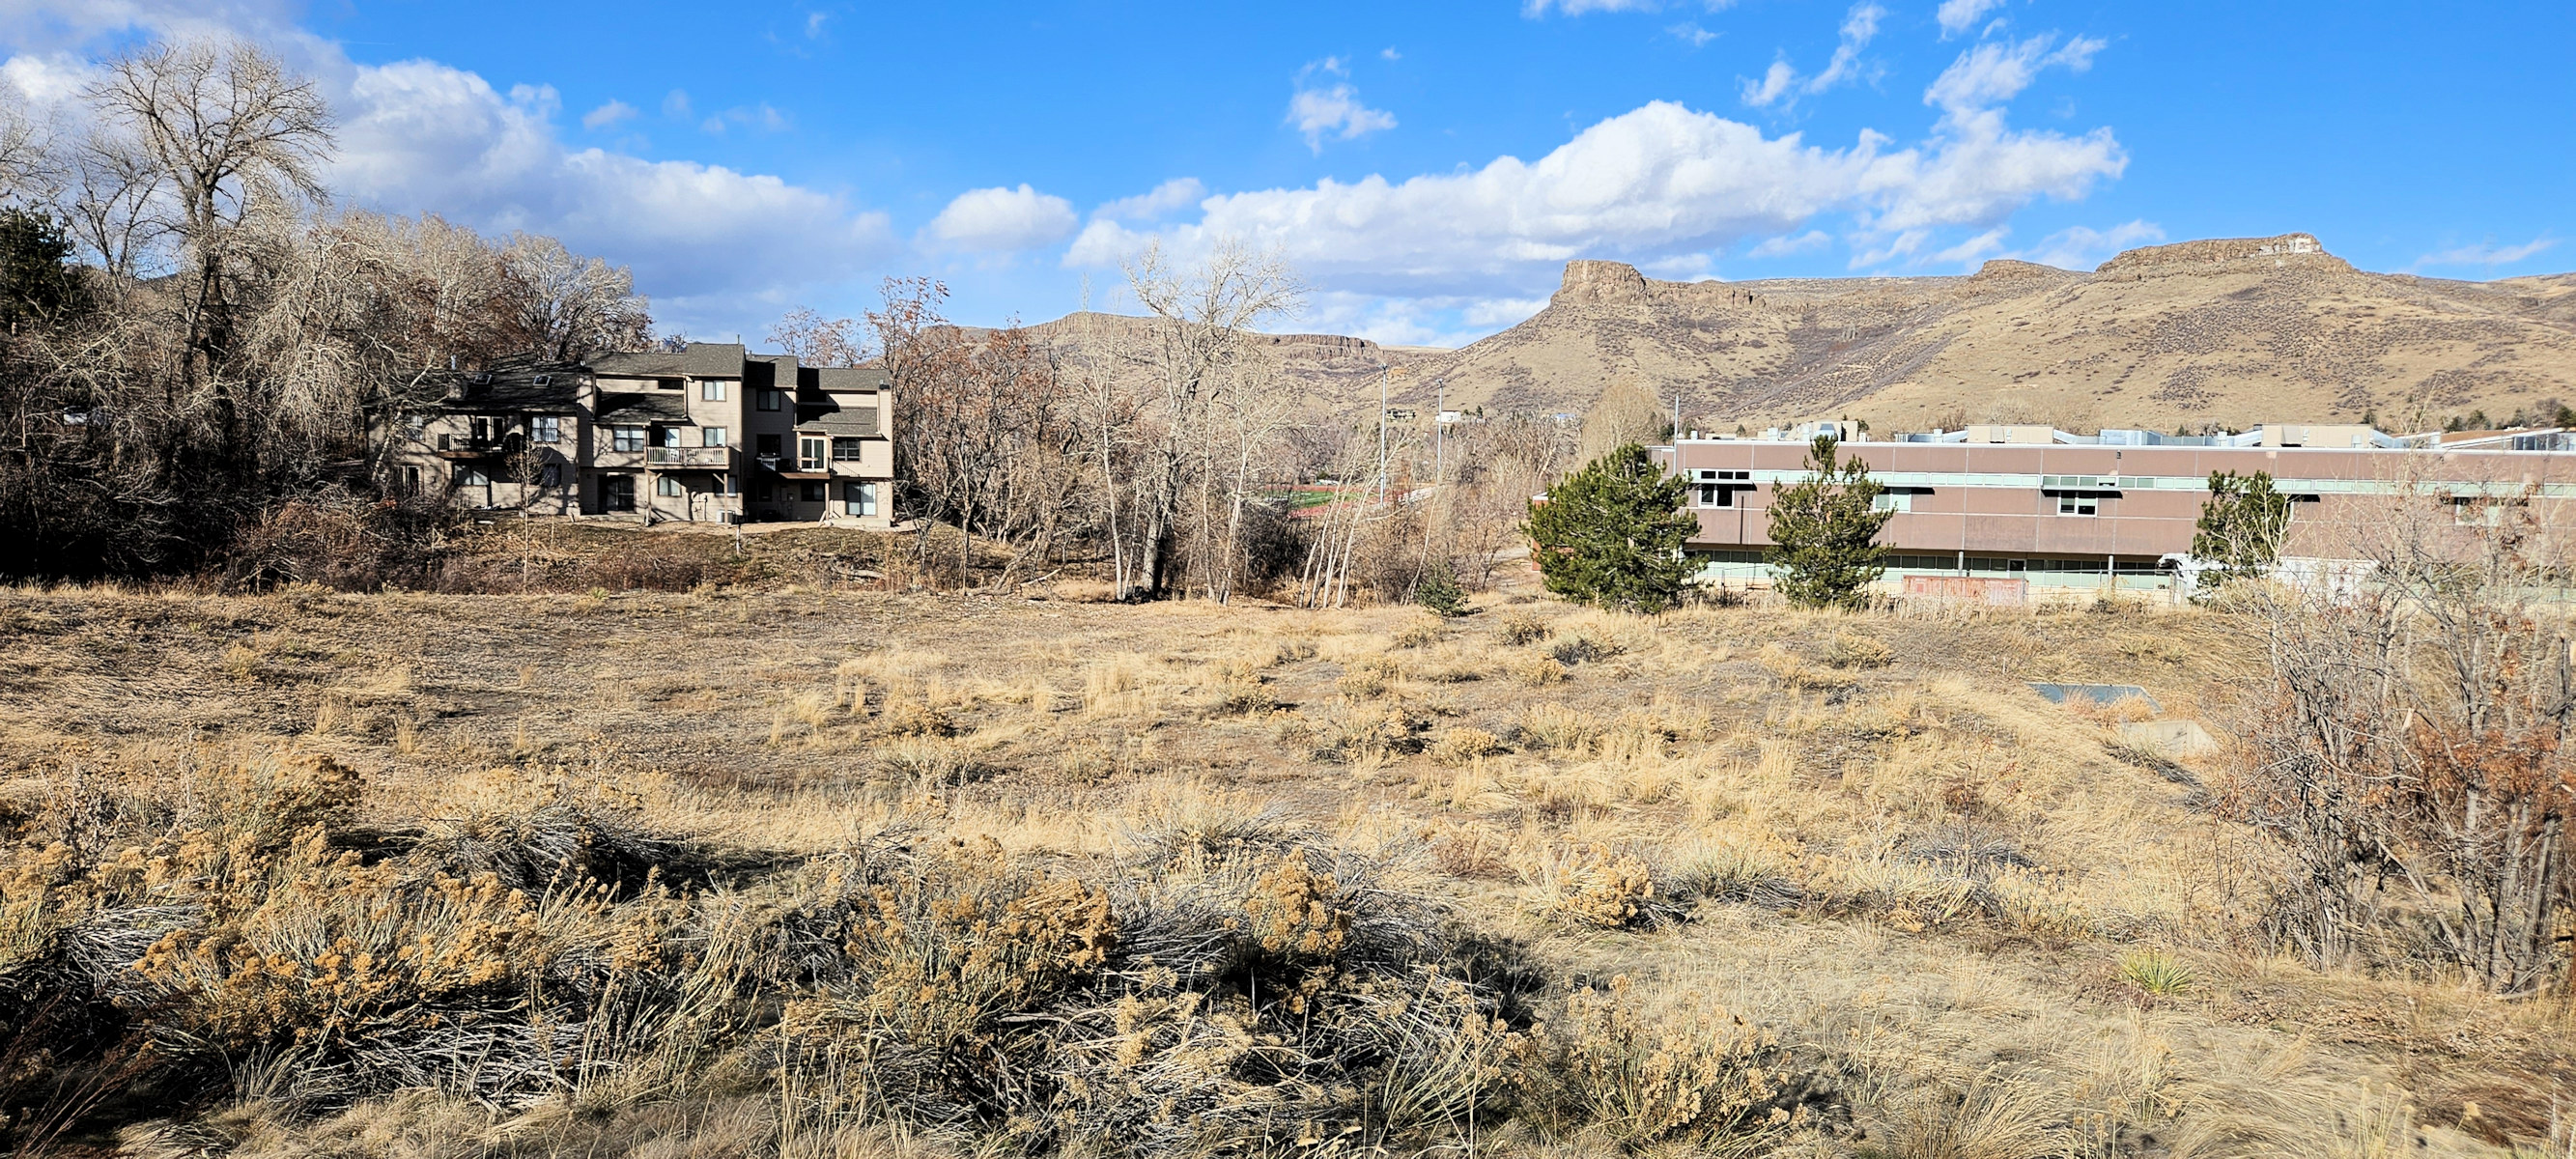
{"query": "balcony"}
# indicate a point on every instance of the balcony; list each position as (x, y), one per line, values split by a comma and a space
(689, 458)
(469, 447)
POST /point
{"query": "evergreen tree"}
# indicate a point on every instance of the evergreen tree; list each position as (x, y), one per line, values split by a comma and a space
(1438, 590)
(38, 285)
(1611, 534)
(1824, 530)
(2241, 526)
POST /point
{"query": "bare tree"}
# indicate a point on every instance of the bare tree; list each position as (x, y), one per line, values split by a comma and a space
(575, 306)
(1193, 354)
(233, 133)
(819, 341)
(2418, 737)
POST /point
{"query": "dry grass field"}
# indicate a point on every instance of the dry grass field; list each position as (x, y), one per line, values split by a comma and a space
(780, 869)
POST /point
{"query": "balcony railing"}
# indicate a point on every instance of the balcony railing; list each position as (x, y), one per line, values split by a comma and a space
(687, 458)
(467, 446)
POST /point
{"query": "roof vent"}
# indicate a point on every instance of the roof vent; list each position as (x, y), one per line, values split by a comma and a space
(543, 380)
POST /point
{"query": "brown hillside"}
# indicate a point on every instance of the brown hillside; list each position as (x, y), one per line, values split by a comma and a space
(2234, 331)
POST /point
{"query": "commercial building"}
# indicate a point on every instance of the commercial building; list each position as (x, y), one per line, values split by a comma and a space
(2057, 510)
(707, 432)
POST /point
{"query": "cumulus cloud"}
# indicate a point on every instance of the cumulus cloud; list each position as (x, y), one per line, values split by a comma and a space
(1859, 27)
(1997, 71)
(1958, 16)
(1975, 249)
(2487, 254)
(1656, 181)
(1001, 220)
(614, 112)
(1690, 33)
(1334, 111)
(1156, 203)
(422, 136)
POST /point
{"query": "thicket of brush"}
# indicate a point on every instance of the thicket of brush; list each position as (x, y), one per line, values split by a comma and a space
(227, 948)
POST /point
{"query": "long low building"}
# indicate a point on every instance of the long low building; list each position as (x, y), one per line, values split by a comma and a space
(2096, 511)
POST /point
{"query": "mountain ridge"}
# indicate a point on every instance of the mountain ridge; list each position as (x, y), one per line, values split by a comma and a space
(2230, 331)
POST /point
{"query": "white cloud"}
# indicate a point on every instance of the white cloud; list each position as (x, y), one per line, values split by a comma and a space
(1975, 249)
(2486, 254)
(1775, 83)
(1997, 71)
(1537, 8)
(614, 112)
(1785, 244)
(760, 117)
(1001, 220)
(2080, 248)
(676, 104)
(1155, 203)
(814, 24)
(421, 136)
(1501, 312)
(1389, 53)
(1692, 34)
(1656, 181)
(1859, 27)
(1958, 16)
(1335, 111)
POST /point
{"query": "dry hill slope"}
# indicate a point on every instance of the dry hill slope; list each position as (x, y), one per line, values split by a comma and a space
(2226, 331)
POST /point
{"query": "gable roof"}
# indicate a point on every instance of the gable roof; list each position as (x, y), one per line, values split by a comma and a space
(518, 383)
(697, 360)
(642, 408)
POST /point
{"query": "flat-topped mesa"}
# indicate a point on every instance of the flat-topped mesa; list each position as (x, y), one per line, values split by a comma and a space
(2008, 269)
(1616, 283)
(2226, 253)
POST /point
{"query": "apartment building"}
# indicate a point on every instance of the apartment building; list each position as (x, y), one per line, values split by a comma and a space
(2106, 511)
(707, 432)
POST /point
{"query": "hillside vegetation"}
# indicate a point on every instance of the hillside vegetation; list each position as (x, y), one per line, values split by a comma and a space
(2224, 332)
(779, 868)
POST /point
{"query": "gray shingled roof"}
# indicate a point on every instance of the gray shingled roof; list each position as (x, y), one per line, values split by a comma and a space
(520, 383)
(700, 360)
(839, 378)
(643, 408)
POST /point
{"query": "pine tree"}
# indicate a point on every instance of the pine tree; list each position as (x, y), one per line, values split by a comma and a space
(1611, 534)
(1824, 530)
(2241, 526)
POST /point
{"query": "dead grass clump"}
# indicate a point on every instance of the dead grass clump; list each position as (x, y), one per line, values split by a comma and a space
(932, 761)
(1421, 632)
(1794, 673)
(1853, 650)
(1638, 1079)
(1518, 628)
(1558, 728)
(1355, 732)
(1537, 671)
(1590, 887)
(1241, 698)
(1462, 745)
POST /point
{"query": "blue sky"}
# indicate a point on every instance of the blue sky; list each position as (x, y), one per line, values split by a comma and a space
(1428, 168)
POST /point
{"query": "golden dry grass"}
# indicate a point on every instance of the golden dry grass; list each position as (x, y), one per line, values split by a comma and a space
(1951, 906)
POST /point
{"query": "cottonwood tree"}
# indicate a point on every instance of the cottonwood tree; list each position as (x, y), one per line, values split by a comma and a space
(819, 341)
(1824, 531)
(574, 306)
(1191, 360)
(233, 136)
(2413, 753)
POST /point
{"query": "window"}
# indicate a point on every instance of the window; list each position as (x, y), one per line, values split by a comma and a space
(768, 445)
(859, 498)
(2078, 505)
(1892, 501)
(811, 492)
(472, 477)
(809, 455)
(415, 423)
(711, 436)
(668, 485)
(845, 450)
(712, 390)
(545, 429)
(771, 399)
(626, 439)
(1708, 494)
(669, 383)
(617, 492)
(670, 436)
(482, 429)
(411, 480)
